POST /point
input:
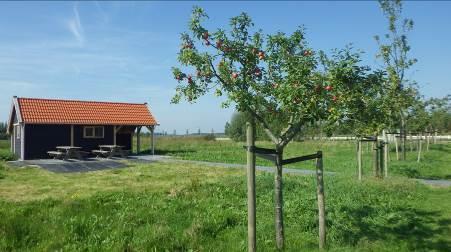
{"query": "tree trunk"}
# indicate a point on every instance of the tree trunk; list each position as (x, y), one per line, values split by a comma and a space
(278, 201)
(321, 201)
(396, 148)
(359, 159)
(385, 154)
(410, 142)
(419, 147)
(375, 158)
(381, 167)
(403, 135)
(251, 199)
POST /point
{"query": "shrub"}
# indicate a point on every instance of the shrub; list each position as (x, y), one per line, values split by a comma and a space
(6, 155)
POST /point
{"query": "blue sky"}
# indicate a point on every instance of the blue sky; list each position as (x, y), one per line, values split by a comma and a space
(115, 51)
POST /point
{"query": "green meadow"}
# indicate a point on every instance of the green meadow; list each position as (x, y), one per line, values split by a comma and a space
(182, 206)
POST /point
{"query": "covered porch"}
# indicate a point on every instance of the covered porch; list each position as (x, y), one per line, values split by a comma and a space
(139, 141)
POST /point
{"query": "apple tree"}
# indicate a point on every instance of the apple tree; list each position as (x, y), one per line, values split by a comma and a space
(273, 77)
(394, 51)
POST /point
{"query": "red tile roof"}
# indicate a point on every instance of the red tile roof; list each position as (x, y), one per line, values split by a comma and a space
(50, 111)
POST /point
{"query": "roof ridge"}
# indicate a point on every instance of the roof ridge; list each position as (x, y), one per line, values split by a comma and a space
(75, 100)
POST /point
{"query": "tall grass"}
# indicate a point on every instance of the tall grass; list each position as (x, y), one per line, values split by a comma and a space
(196, 213)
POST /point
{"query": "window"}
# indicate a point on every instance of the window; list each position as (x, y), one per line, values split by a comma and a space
(93, 132)
(18, 131)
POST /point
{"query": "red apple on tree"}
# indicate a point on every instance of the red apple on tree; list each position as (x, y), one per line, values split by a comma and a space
(205, 35)
(257, 71)
(328, 88)
(234, 75)
(219, 44)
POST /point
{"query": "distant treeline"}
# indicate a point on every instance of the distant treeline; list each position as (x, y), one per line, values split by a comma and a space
(439, 120)
(3, 127)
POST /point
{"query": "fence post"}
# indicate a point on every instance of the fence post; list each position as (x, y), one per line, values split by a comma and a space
(321, 201)
(251, 208)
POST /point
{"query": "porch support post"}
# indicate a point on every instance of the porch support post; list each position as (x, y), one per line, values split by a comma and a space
(11, 136)
(72, 135)
(138, 140)
(152, 131)
(114, 135)
(22, 141)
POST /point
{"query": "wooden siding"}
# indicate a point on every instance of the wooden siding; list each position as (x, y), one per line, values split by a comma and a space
(89, 144)
(41, 138)
(125, 140)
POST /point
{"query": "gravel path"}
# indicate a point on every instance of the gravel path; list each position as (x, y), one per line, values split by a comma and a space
(224, 165)
(436, 183)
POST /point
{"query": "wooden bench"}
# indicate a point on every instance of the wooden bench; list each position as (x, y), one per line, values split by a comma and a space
(101, 153)
(56, 154)
(82, 154)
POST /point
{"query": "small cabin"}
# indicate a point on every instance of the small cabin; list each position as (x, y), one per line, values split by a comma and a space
(39, 125)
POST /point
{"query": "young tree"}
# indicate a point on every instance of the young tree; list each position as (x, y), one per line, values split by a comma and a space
(393, 50)
(440, 112)
(370, 112)
(276, 75)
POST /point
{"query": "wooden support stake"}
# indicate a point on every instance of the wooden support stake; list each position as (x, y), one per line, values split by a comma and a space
(359, 158)
(321, 201)
(251, 199)
(385, 154)
(435, 137)
(427, 140)
(410, 142)
(381, 167)
(419, 147)
(375, 159)
(396, 148)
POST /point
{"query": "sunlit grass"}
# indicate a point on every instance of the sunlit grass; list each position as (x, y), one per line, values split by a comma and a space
(339, 156)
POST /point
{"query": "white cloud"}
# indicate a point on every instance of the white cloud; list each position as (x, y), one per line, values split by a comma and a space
(75, 27)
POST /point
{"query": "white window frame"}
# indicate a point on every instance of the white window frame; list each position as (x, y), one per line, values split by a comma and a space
(18, 131)
(93, 132)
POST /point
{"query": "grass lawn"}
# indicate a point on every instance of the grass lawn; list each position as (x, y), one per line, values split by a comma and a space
(339, 156)
(183, 207)
(187, 207)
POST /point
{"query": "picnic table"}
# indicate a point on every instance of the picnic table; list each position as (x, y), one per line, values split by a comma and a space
(109, 151)
(66, 152)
